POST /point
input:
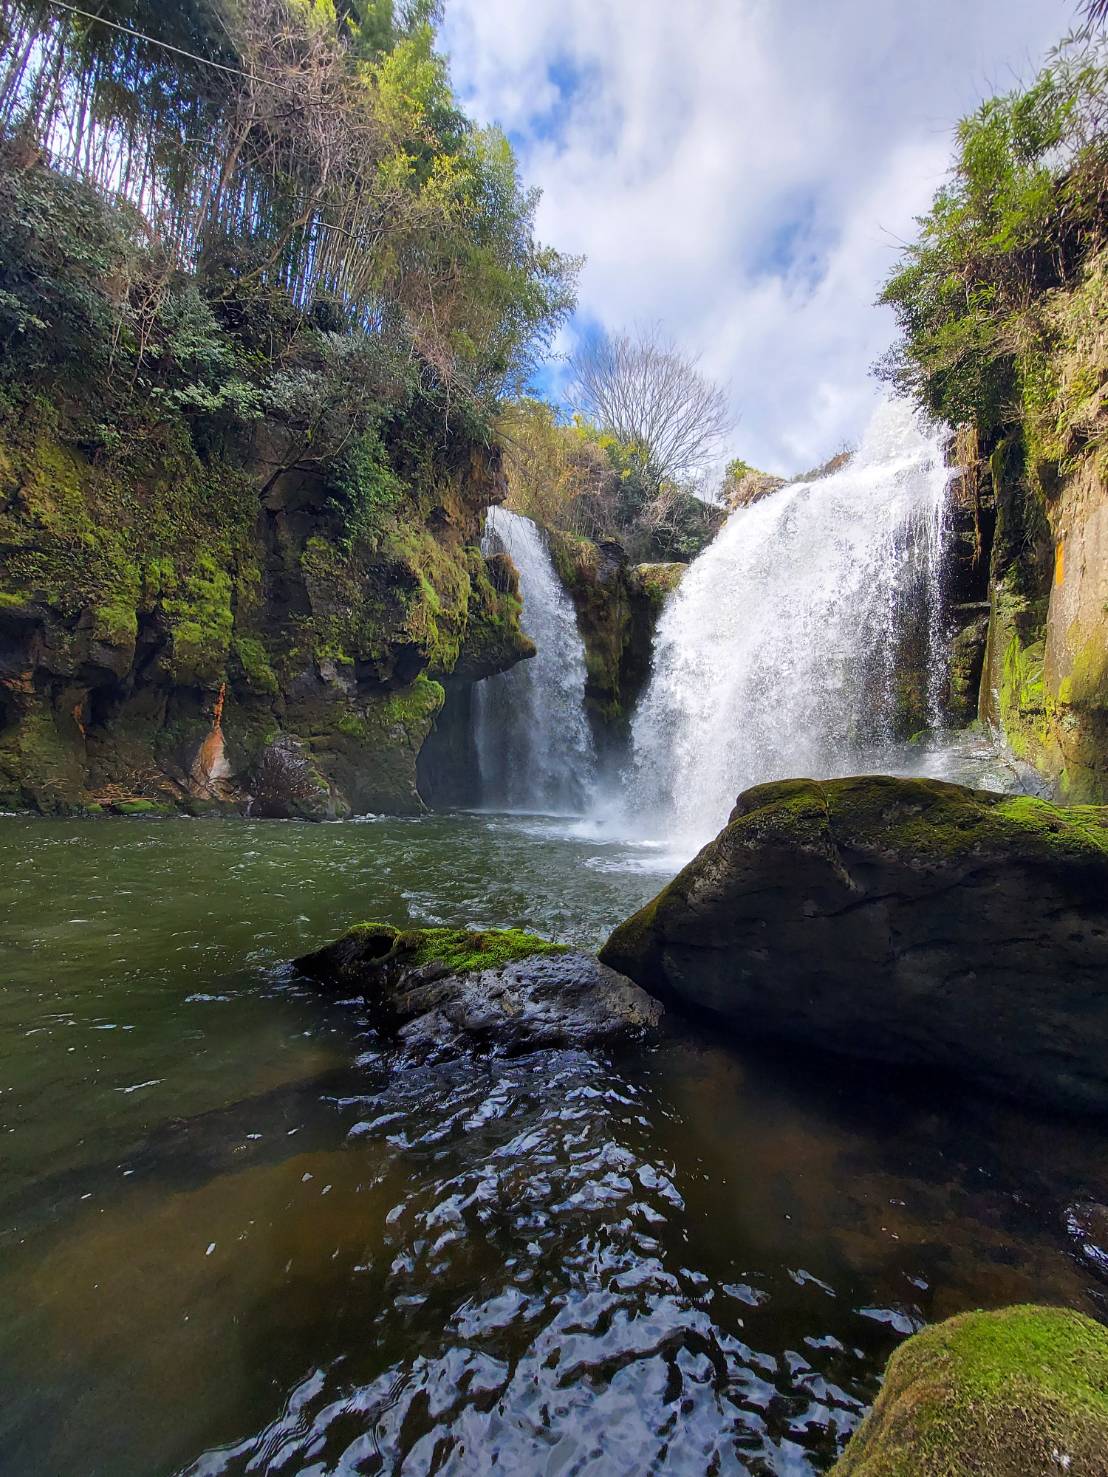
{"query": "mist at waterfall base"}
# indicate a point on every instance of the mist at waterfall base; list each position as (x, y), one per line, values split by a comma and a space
(534, 748)
(782, 650)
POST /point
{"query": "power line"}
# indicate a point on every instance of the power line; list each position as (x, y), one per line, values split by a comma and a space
(204, 61)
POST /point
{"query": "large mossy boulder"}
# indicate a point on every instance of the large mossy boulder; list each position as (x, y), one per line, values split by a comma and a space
(441, 991)
(1022, 1392)
(907, 921)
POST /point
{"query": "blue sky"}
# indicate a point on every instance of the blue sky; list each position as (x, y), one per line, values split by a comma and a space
(741, 171)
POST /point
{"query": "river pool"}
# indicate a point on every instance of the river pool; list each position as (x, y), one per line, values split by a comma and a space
(231, 1241)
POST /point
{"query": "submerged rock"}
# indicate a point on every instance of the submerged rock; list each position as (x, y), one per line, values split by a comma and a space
(441, 991)
(1022, 1392)
(908, 921)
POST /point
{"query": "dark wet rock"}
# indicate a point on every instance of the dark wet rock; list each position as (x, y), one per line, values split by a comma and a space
(1087, 1224)
(907, 921)
(287, 784)
(617, 604)
(441, 991)
(493, 641)
(967, 659)
(1020, 1392)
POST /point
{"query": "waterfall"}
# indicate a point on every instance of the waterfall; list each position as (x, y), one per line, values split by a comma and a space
(781, 652)
(535, 751)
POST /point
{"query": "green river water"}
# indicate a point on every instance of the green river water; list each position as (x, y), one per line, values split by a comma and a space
(232, 1241)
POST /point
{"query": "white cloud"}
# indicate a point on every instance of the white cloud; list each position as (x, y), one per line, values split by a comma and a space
(742, 170)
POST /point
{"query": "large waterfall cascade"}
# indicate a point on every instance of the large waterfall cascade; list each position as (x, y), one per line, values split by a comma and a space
(778, 654)
(535, 751)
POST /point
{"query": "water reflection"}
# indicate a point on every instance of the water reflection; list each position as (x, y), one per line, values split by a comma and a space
(283, 1258)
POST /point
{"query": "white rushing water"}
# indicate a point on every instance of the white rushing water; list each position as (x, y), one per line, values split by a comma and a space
(534, 747)
(778, 654)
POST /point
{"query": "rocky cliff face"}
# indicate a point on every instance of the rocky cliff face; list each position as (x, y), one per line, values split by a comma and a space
(1030, 653)
(195, 631)
(618, 604)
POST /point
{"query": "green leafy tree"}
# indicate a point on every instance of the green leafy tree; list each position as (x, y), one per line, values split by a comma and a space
(1021, 220)
(371, 191)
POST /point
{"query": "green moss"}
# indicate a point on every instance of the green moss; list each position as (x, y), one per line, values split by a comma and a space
(141, 807)
(1023, 689)
(576, 559)
(201, 623)
(493, 640)
(117, 621)
(159, 578)
(404, 714)
(416, 705)
(1057, 823)
(1087, 684)
(42, 762)
(459, 950)
(934, 820)
(368, 748)
(1014, 1393)
(438, 602)
(253, 658)
(658, 581)
(354, 726)
(406, 591)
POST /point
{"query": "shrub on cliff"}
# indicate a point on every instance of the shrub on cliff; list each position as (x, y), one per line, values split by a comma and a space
(985, 334)
(575, 478)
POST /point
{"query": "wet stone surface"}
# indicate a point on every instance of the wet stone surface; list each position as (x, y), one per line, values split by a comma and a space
(434, 1010)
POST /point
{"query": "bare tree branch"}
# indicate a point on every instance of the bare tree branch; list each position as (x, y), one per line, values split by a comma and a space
(648, 395)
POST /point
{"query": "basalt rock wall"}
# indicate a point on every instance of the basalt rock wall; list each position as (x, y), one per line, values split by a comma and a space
(189, 631)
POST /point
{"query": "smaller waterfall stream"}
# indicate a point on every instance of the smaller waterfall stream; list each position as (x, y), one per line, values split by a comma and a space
(534, 748)
(781, 653)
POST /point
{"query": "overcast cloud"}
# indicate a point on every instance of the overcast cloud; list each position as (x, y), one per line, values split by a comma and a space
(742, 170)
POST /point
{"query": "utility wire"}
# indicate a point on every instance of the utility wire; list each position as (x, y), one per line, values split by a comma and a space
(205, 61)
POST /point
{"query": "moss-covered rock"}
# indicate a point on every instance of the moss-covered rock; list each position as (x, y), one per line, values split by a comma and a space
(368, 747)
(443, 990)
(657, 582)
(1022, 1392)
(141, 807)
(493, 640)
(908, 921)
(617, 606)
(156, 610)
(1045, 673)
(372, 947)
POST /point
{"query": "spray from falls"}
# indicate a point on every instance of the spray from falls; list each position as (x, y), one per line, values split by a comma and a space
(783, 651)
(534, 748)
